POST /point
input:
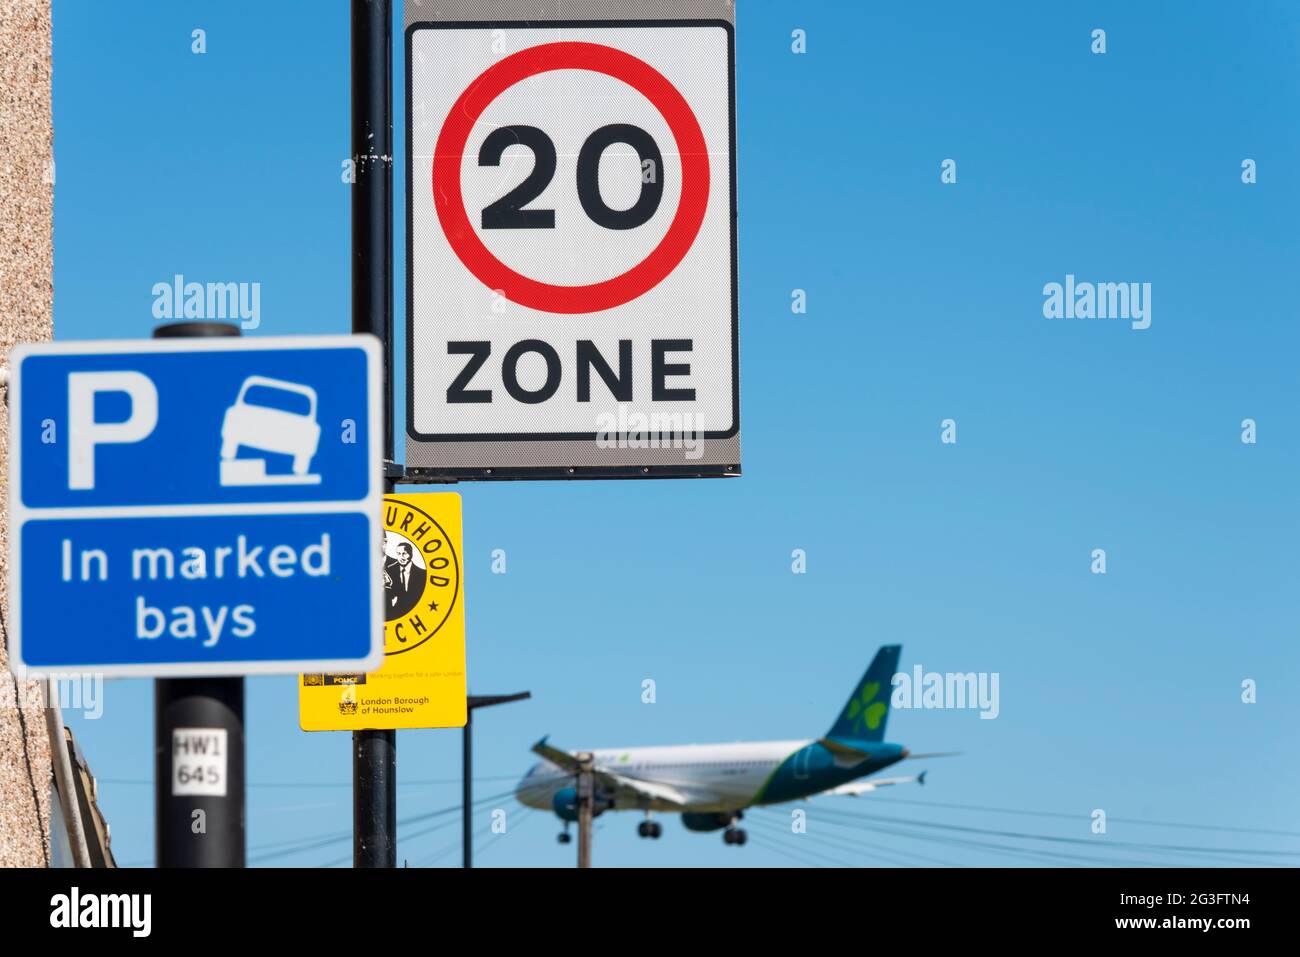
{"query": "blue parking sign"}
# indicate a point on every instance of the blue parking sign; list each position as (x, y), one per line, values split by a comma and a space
(189, 507)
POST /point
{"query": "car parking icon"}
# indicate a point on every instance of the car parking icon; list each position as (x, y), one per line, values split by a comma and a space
(270, 415)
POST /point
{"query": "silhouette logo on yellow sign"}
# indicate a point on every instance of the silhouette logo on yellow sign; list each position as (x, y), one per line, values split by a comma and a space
(421, 577)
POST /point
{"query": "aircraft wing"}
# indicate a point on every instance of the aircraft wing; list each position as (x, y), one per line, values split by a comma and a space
(637, 788)
(620, 784)
(854, 788)
(561, 759)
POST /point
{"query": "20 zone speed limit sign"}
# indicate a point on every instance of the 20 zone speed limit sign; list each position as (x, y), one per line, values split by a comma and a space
(571, 243)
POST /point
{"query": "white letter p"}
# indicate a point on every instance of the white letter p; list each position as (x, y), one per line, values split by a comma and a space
(86, 433)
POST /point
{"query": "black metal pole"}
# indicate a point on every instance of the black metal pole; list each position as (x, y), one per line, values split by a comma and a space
(192, 829)
(374, 753)
(372, 193)
(472, 703)
(467, 790)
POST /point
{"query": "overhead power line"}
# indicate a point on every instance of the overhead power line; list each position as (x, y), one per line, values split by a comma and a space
(1036, 855)
(295, 846)
(148, 782)
(871, 854)
(1259, 855)
(871, 847)
(1074, 816)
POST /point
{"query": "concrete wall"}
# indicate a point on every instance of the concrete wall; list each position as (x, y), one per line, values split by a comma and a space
(26, 314)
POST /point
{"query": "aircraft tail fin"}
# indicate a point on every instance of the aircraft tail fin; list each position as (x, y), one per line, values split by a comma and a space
(867, 710)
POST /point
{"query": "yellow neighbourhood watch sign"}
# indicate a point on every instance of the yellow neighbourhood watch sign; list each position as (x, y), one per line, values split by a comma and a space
(421, 683)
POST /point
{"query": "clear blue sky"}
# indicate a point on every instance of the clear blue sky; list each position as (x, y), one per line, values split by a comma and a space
(1119, 692)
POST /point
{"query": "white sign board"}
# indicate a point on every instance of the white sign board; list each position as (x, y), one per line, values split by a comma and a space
(571, 255)
(199, 762)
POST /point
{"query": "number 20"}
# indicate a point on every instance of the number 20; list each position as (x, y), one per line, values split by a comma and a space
(508, 212)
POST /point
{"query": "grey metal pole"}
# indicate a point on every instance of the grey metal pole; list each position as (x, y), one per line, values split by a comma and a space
(467, 792)
(374, 753)
(198, 830)
(62, 767)
(586, 795)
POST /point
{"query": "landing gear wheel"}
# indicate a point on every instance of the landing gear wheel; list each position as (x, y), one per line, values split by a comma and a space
(656, 830)
(564, 837)
(643, 829)
(650, 829)
(734, 835)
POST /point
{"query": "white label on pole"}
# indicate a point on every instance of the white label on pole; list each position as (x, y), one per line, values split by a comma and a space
(199, 762)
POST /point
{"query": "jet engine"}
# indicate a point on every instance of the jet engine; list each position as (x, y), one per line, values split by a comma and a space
(565, 804)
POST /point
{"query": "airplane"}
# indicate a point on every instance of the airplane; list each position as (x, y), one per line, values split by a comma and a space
(711, 785)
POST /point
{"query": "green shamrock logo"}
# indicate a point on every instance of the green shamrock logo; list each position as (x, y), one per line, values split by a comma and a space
(864, 711)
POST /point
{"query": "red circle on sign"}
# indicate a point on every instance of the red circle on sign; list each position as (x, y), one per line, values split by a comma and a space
(571, 55)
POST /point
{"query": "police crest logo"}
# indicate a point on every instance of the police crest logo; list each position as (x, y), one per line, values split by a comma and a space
(421, 576)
